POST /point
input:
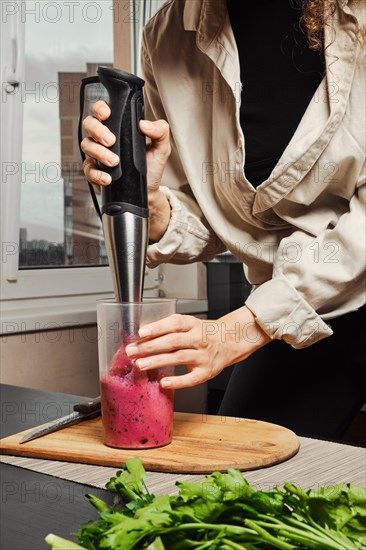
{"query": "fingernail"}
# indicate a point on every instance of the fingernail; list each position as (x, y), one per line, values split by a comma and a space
(165, 383)
(131, 350)
(105, 178)
(108, 138)
(143, 363)
(103, 112)
(147, 125)
(112, 159)
(144, 331)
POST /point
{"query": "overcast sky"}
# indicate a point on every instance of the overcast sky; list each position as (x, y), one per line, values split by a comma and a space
(59, 36)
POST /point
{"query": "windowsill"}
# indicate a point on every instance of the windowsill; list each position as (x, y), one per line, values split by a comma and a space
(30, 315)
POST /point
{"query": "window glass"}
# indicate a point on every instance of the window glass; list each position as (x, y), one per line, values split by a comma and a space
(64, 42)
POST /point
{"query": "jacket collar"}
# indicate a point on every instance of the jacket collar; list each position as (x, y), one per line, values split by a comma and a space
(206, 17)
(191, 14)
(209, 19)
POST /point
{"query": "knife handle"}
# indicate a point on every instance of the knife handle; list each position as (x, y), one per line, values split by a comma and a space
(88, 406)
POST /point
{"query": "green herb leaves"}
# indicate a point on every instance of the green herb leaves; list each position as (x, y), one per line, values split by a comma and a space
(221, 513)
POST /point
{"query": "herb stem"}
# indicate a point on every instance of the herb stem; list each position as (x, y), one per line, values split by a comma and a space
(331, 535)
(233, 544)
(229, 529)
(267, 536)
(306, 533)
(326, 535)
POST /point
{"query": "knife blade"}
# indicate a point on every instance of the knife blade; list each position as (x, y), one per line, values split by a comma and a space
(82, 411)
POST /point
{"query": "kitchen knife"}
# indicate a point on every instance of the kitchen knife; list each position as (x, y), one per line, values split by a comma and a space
(82, 411)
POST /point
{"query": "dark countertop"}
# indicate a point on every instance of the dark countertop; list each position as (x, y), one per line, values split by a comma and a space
(34, 504)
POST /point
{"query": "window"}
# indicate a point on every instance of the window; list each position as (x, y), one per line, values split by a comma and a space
(64, 42)
(52, 242)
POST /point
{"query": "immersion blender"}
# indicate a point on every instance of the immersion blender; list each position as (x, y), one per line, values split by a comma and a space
(124, 209)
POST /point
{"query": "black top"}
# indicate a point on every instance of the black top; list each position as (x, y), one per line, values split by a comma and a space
(279, 75)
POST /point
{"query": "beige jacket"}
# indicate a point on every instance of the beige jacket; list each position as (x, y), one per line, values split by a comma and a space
(301, 233)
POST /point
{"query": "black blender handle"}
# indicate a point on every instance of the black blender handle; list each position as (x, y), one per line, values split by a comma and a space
(127, 109)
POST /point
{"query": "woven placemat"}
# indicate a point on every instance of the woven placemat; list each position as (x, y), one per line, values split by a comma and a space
(318, 463)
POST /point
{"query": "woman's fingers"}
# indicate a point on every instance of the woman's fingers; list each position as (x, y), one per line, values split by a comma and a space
(175, 340)
(181, 357)
(158, 132)
(163, 344)
(100, 133)
(101, 110)
(96, 143)
(158, 151)
(93, 174)
(172, 323)
(191, 358)
(196, 376)
(170, 333)
(99, 138)
(96, 151)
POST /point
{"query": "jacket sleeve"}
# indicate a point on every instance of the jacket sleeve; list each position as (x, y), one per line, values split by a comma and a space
(189, 237)
(314, 277)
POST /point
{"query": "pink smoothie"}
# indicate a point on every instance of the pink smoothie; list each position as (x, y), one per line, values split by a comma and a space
(137, 413)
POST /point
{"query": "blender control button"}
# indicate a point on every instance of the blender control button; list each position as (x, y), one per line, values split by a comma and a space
(113, 209)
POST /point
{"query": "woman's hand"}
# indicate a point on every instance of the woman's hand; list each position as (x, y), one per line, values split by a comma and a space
(96, 144)
(205, 347)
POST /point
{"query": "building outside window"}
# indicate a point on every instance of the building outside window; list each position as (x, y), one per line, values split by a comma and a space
(58, 222)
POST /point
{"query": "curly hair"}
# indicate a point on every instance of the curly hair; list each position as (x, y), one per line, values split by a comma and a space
(315, 14)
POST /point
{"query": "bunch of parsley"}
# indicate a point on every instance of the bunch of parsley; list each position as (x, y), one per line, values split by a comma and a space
(222, 512)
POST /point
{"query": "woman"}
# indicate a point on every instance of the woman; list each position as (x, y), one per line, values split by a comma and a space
(266, 158)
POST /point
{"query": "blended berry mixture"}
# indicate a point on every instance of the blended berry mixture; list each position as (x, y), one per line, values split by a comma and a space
(136, 412)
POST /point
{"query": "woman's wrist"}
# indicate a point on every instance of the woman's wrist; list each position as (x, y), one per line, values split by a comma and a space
(159, 214)
(241, 335)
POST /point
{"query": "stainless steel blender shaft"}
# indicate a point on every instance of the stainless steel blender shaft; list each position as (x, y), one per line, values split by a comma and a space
(126, 237)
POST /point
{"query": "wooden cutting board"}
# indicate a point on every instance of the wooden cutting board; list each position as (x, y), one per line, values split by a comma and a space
(201, 444)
